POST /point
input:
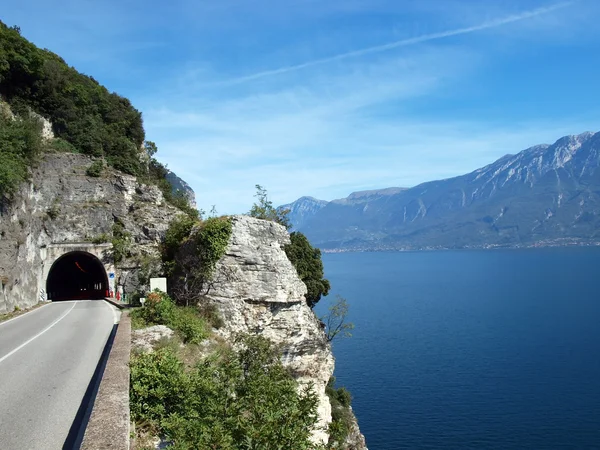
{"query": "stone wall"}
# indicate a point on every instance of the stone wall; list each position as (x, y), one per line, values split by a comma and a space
(62, 207)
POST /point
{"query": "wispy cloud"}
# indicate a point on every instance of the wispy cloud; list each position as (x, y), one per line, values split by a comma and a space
(494, 23)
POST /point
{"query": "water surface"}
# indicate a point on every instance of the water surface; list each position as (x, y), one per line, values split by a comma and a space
(472, 349)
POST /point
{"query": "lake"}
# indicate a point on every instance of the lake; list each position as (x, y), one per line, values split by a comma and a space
(472, 349)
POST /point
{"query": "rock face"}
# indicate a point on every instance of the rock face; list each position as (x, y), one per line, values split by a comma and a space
(62, 209)
(180, 185)
(257, 290)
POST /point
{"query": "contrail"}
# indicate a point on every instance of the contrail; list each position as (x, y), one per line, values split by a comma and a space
(404, 43)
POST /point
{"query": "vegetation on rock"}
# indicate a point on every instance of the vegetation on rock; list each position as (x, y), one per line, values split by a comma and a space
(121, 242)
(20, 144)
(336, 320)
(241, 399)
(191, 251)
(341, 414)
(82, 112)
(95, 169)
(160, 310)
(86, 118)
(265, 210)
(307, 261)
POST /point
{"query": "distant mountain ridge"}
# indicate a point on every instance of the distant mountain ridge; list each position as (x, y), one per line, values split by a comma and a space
(544, 195)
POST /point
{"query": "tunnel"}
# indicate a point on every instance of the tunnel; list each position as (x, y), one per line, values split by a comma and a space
(77, 276)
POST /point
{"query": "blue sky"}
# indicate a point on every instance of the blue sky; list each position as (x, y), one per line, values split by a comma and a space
(322, 98)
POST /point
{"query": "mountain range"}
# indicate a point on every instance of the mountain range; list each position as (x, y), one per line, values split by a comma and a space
(542, 196)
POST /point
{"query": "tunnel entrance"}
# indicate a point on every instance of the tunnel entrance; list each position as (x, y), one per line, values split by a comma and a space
(77, 276)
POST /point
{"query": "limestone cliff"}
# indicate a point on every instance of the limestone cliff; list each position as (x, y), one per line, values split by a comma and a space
(62, 209)
(257, 290)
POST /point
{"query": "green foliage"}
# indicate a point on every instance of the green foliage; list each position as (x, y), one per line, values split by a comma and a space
(160, 310)
(341, 415)
(307, 261)
(20, 144)
(83, 112)
(335, 320)
(101, 239)
(54, 211)
(190, 325)
(121, 242)
(264, 209)
(96, 169)
(61, 146)
(190, 257)
(236, 400)
(177, 233)
(211, 240)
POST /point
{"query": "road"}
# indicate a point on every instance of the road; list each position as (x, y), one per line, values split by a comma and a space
(47, 359)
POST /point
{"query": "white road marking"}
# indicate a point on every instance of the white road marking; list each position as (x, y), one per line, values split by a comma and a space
(23, 315)
(37, 335)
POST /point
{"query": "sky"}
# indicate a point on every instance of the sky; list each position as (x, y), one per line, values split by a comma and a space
(327, 97)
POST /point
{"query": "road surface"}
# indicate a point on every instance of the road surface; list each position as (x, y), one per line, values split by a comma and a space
(47, 359)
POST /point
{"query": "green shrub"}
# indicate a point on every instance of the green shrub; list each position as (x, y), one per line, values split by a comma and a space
(121, 242)
(159, 309)
(61, 146)
(101, 239)
(53, 212)
(341, 416)
(189, 325)
(307, 261)
(159, 385)
(96, 169)
(237, 400)
(191, 258)
(20, 145)
(82, 112)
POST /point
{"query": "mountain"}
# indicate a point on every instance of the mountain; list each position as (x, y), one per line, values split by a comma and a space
(178, 184)
(544, 195)
(302, 210)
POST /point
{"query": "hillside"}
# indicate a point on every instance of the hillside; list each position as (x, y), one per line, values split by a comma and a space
(544, 195)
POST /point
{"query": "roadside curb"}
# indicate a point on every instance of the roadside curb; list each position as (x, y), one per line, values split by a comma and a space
(115, 303)
(108, 427)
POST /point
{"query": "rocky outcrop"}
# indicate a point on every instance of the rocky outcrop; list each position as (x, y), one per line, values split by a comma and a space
(257, 290)
(62, 206)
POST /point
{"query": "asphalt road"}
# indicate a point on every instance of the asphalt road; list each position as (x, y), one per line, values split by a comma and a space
(47, 359)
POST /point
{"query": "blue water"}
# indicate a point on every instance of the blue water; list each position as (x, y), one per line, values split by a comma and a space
(472, 349)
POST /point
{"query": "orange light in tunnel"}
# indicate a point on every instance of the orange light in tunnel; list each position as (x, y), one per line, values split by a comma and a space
(79, 267)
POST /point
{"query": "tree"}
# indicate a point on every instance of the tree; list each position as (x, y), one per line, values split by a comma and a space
(307, 261)
(150, 148)
(264, 209)
(335, 320)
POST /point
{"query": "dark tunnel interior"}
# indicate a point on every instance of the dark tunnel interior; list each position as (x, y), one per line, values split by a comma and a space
(77, 276)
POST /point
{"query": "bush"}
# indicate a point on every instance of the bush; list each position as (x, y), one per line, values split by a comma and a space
(160, 310)
(189, 325)
(341, 416)
(61, 146)
(82, 112)
(307, 261)
(191, 257)
(96, 169)
(238, 400)
(20, 144)
(121, 242)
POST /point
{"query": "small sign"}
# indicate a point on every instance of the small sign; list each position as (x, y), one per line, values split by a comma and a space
(111, 275)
